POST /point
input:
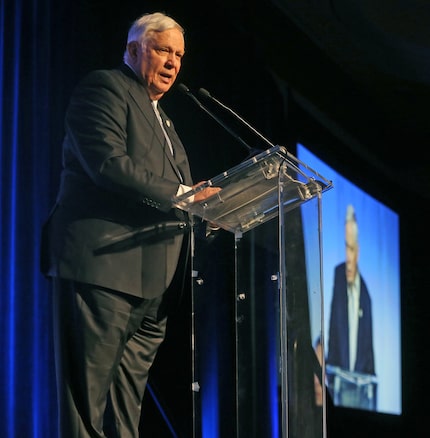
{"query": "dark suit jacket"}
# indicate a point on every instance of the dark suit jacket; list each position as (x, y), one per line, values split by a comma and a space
(338, 342)
(118, 177)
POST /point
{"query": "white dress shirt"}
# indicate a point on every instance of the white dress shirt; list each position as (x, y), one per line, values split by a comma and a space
(353, 318)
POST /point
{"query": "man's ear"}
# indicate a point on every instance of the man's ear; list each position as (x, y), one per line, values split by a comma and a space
(132, 49)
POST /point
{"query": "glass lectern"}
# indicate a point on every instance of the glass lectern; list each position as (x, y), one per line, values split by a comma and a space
(352, 389)
(257, 301)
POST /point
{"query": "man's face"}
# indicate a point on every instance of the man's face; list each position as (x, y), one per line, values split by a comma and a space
(159, 61)
(351, 246)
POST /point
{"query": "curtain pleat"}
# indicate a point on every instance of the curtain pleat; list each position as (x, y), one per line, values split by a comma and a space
(27, 381)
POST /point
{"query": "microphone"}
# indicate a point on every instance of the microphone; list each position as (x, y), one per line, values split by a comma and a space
(184, 89)
(206, 94)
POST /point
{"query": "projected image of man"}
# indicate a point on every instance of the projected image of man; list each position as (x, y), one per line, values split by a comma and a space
(350, 342)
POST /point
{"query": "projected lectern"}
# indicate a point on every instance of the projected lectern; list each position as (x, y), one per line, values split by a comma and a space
(257, 301)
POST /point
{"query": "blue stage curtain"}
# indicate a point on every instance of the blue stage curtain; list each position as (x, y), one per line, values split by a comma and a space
(45, 48)
(28, 184)
(44, 51)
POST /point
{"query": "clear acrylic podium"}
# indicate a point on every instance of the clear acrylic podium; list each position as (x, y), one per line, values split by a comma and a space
(352, 389)
(257, 301)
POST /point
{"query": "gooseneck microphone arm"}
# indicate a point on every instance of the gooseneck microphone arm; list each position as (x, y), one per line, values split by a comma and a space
(206, 94)
(184, 89)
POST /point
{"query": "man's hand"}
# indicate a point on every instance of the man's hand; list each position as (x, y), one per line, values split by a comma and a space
(205, 193)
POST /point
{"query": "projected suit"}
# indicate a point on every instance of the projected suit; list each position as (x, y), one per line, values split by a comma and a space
(338, 342)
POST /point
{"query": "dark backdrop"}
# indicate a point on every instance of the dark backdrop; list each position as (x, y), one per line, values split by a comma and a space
(46, 46)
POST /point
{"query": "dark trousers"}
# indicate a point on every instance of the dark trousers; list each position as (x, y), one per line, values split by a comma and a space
(105, 344)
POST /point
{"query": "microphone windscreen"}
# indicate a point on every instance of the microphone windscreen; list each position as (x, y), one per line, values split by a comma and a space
(204, 92)
(183, 88)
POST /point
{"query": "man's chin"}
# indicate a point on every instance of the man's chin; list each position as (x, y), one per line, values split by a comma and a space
(164, 87)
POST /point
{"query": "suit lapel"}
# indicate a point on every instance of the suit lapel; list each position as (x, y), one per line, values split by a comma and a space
(140, 96)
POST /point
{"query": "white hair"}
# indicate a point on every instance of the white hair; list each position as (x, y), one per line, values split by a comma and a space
(352, 218)
(147, 24)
